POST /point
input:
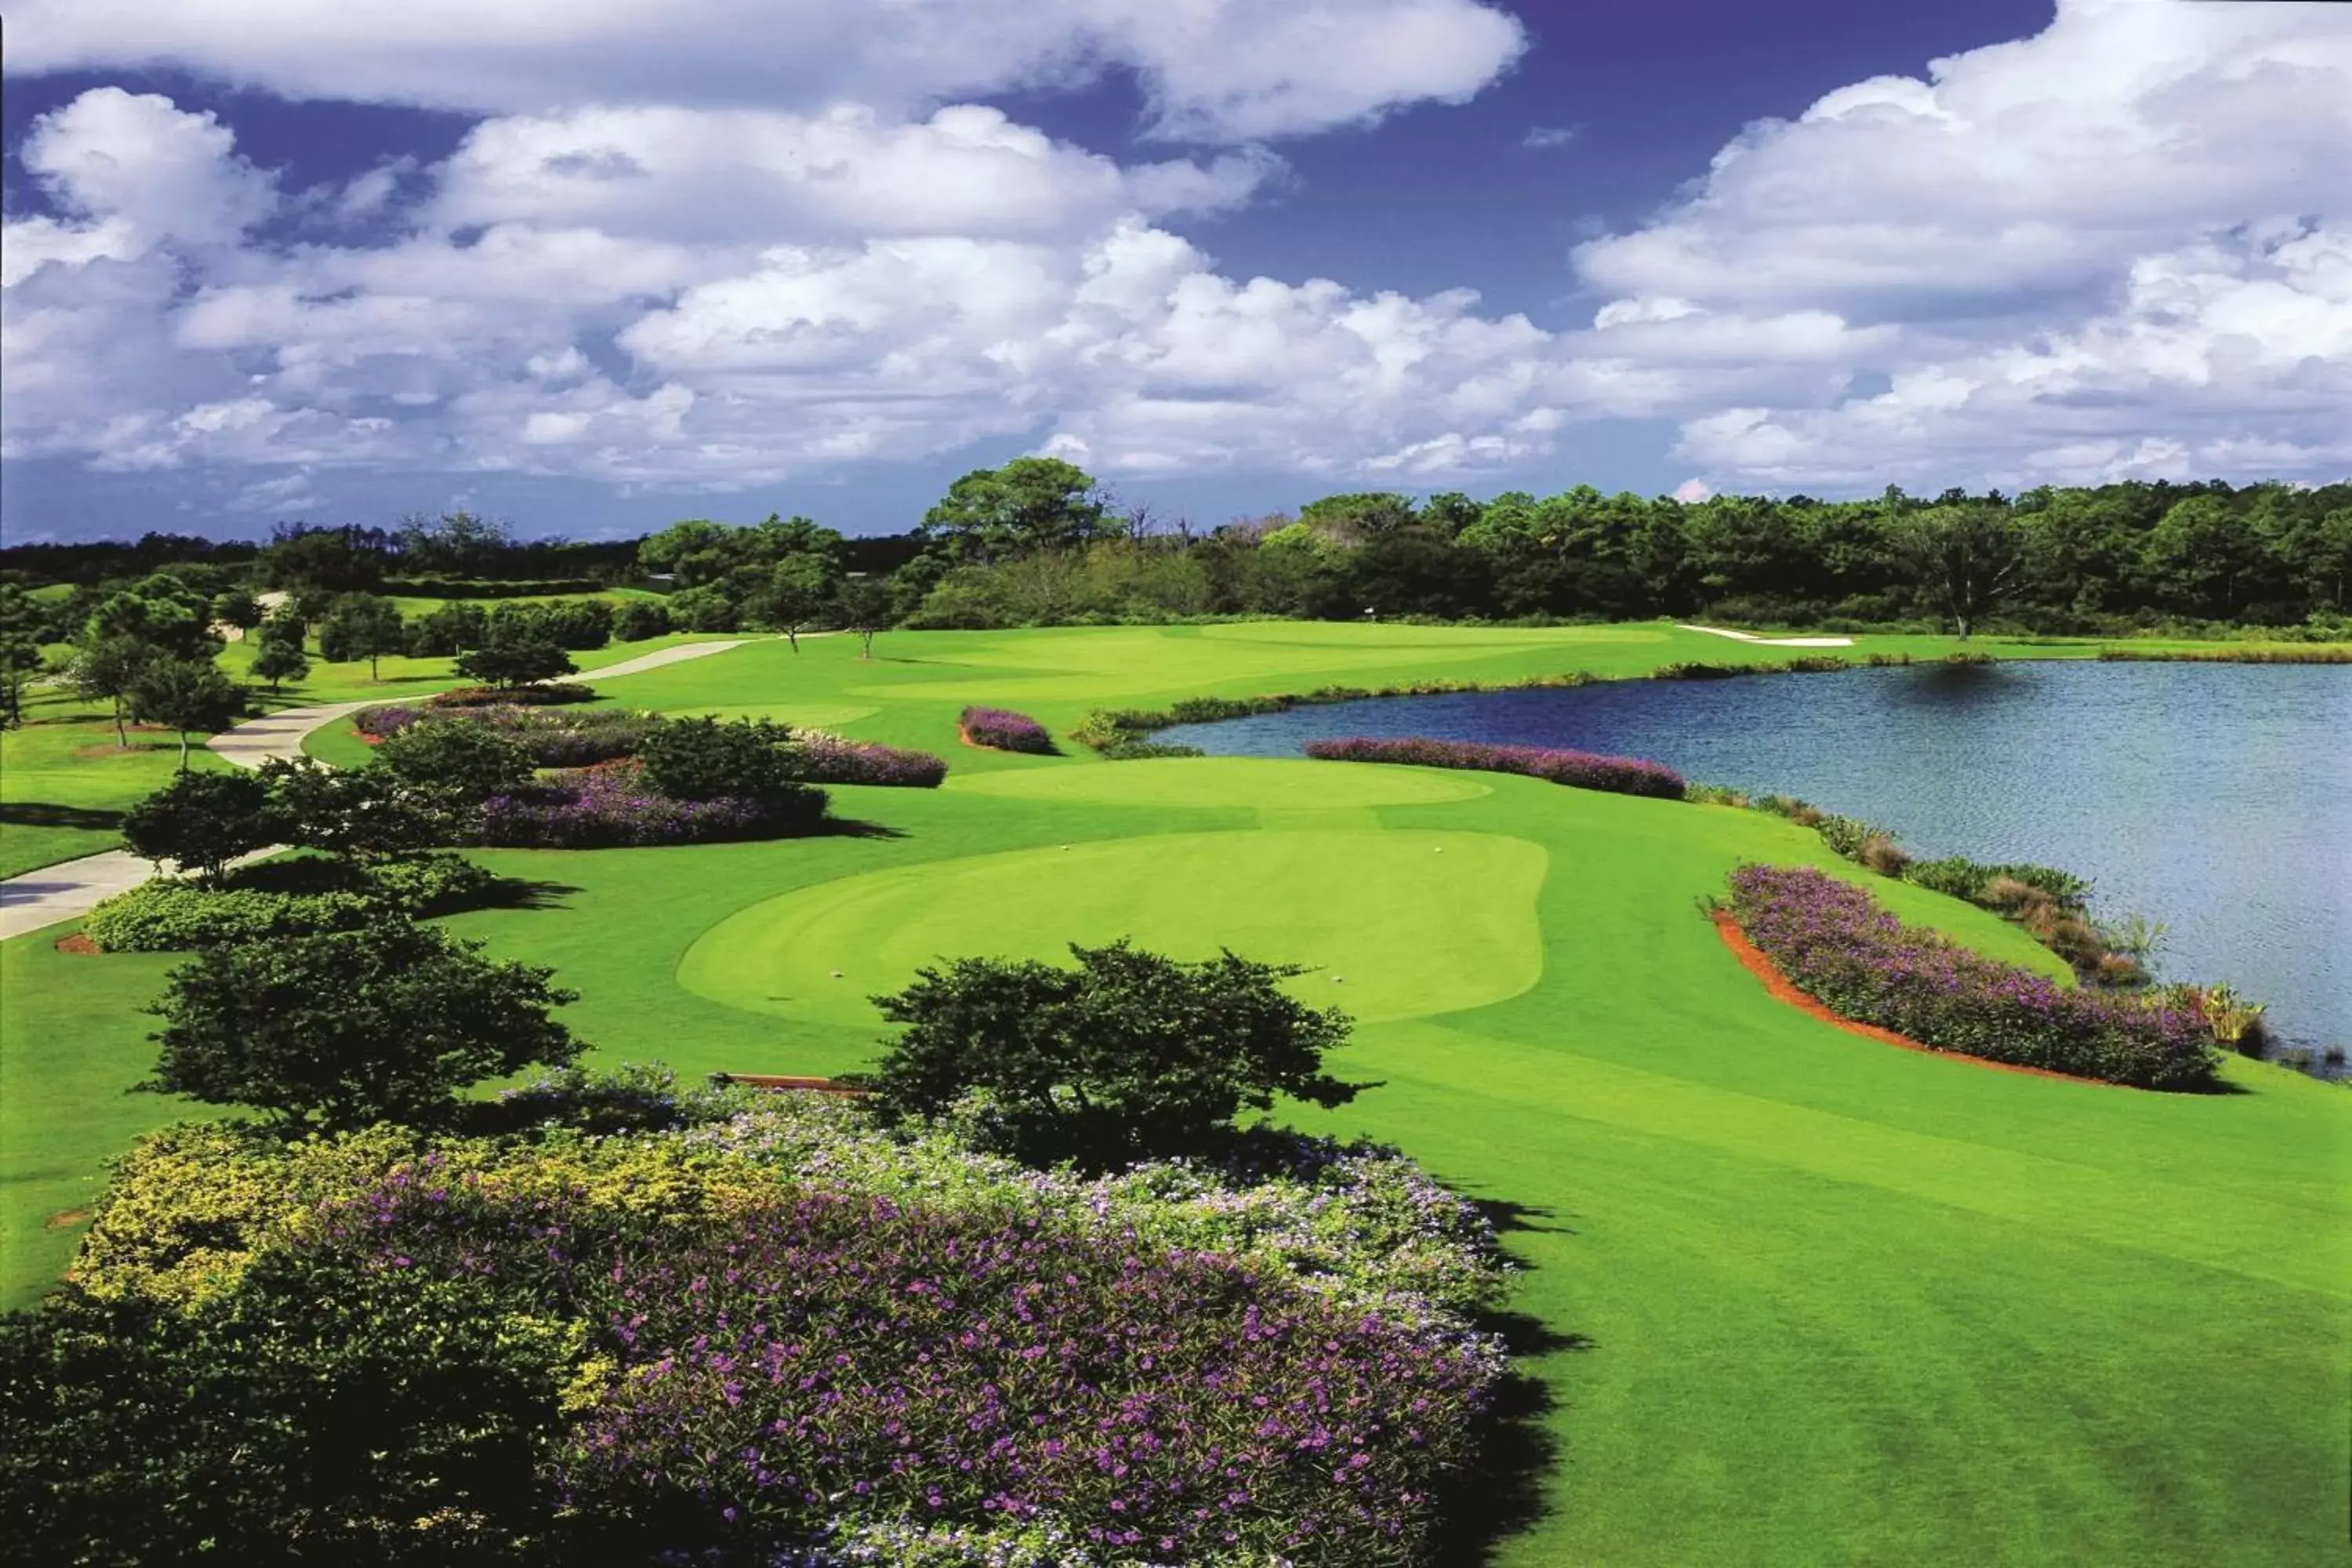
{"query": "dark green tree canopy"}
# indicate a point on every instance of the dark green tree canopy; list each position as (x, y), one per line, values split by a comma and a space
(192, 696)
(386, 1023)
(519, 663)
(1030, 503)
(360, 812)
(362, 625)
(203, 821)
(742, 758)
(455, 762)
(1129, 1055)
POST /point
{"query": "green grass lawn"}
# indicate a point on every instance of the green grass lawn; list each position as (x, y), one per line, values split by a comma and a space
(1797, 1297)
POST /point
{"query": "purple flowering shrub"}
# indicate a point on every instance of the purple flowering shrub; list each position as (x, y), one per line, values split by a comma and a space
(787, 1335)
(1835, 943)
(767, 1355)
(1621, 775)
(611, 806)
(388, 720)
(832, 760)
(1003, 729)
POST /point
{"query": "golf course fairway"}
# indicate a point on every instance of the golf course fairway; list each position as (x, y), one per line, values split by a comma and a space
(1790, 1297)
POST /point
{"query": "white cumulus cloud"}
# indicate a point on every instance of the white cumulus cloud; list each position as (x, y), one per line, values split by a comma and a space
(1215, 70)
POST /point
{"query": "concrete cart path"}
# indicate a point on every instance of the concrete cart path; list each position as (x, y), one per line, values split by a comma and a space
(71, 888)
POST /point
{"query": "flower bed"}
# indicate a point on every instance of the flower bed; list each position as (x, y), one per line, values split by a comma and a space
(611, 806)
(1001, 730)
(786, 1330)
(1584, 770)
(1836, 945)
(831, 760)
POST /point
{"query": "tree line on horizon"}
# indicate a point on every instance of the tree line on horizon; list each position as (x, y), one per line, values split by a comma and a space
(1038, 542)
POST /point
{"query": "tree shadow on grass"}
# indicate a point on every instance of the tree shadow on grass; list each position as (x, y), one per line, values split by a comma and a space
(1503, 1493)
(46, 814)
(850, 828)
(520, 893)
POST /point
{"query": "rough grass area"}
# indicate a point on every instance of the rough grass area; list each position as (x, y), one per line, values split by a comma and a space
(1794, 1297)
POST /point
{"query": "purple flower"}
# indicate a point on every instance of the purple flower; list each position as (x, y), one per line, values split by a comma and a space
(1621, 775)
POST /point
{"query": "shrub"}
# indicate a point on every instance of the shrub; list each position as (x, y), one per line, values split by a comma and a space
(745, 760)
(388, 720)
(170, 916)
(573, 739)
(1001, 730)
(1129, 1055)
(1621, 775)
(1690, 670)
(385, 1022)
(203, 821)
(428, 885)
(614, 806)
(638, 619)
(457, 762)
(545, 694)
(1835, 943)
(1141, 751)
(827, 759)
(349, 810)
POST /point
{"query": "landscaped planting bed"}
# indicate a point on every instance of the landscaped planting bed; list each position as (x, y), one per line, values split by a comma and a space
(611, 806)
(1834, 942)
(1621, 775)
(784, 1330)
(1001, 730)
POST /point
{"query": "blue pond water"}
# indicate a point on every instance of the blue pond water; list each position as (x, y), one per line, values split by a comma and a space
(2215, 798)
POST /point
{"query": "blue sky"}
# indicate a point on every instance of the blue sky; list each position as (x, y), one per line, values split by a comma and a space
(596, 268)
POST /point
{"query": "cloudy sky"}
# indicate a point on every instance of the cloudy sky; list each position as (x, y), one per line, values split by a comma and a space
(598, 265)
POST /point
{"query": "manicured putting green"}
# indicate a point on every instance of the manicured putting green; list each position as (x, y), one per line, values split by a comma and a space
(1264, 783)
(1396, 924)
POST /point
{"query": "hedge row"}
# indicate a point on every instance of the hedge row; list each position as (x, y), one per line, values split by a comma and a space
(1584, 770)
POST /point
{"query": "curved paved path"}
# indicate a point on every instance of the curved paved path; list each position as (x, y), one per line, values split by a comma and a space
(1771, 642)
(71, 888)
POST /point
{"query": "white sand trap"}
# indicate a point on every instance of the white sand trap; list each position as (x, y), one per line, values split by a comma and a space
(1771, 642)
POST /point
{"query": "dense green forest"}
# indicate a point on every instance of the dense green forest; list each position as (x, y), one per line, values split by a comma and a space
(1037, 541)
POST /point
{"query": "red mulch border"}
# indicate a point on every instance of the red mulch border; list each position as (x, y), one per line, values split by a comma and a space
(1753, 960)
(79, 945)
(775, 1082)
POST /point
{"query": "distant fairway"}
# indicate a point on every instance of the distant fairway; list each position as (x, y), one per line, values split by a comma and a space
(1392, 925)
(1800, 1299)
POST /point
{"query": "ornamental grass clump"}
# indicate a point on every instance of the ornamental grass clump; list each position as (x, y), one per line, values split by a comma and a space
(1834, 942)
(1583, 770)
(1001, 730)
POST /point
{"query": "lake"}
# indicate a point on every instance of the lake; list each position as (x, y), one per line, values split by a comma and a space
(2216, 798)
